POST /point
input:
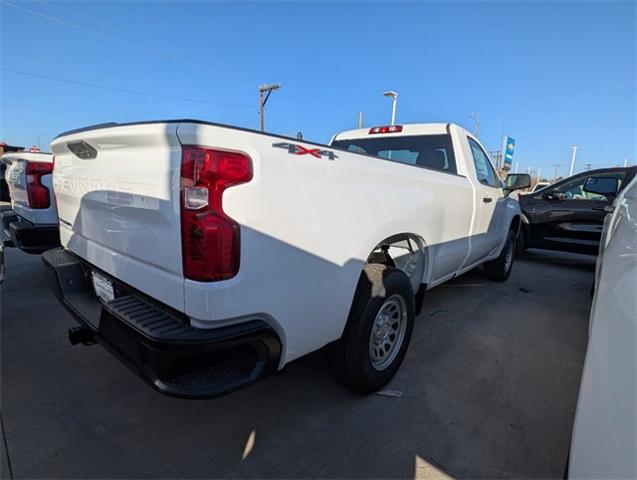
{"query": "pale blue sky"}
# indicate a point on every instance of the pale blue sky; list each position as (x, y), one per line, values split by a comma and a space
(551, 73)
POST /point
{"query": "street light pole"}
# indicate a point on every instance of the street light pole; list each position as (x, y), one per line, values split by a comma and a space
(394, 96)
(264, 93)
(557, 169)
(476, 117)
(570, 172)
(40, 135)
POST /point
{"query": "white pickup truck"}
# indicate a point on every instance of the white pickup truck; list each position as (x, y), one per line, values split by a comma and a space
(32, 223)
(206, 256)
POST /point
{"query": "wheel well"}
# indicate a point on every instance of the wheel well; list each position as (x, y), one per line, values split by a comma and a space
(515, 224)
(404, 240)
(404, 251)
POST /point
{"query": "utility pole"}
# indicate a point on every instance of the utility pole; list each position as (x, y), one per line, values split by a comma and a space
(263, 99)
(476, 117)
(500, 163)
(557, 169)
(625, 161)
(588, 166)
(539, 172)
(360, 119)
(40, 135)
(500, 159)
(394, 96)
(570, 172)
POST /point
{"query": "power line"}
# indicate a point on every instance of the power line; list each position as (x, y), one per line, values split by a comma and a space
(124, 90)
(118, 38)
(48, 17)
(75, 13)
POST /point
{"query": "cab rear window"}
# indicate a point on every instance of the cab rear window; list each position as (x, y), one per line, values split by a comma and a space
(425, 151)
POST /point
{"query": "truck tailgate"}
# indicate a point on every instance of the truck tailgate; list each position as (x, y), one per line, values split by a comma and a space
(117, 192)
(16, 177)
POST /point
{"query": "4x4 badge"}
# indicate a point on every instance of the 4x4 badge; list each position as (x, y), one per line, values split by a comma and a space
(297, 149)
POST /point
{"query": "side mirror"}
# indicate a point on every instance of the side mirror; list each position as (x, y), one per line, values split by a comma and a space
(606, 186)
(517, 181)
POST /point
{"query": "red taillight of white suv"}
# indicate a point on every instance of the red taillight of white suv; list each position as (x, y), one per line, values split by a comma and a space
(210, 238)
(37, 193)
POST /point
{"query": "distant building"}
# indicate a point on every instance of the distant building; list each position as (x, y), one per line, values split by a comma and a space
(5, 148)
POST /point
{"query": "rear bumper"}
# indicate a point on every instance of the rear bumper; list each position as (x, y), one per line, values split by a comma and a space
(159, 344)
(27, 236)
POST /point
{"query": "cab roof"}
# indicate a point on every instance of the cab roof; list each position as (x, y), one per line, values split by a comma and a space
(407, 129)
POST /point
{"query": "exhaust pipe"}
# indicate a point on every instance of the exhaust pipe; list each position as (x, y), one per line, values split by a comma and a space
(82, 335)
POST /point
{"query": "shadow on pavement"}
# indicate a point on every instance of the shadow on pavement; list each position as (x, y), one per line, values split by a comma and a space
(488, 388)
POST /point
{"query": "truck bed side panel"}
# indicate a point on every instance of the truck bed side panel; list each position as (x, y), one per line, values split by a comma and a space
(307, 226)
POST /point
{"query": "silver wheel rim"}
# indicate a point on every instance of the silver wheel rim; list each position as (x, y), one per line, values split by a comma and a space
(388, 332)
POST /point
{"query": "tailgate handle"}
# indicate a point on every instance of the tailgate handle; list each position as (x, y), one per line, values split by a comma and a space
(82, 150)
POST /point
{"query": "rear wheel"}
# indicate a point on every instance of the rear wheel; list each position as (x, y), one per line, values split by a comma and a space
(378, 330)
(499, 269)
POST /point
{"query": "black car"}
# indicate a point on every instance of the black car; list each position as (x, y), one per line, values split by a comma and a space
(569, 214)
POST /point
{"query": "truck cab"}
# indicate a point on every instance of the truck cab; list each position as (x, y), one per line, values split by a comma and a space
(476, 212)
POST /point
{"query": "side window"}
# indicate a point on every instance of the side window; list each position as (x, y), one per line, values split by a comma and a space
(484, 170)
(574, 189)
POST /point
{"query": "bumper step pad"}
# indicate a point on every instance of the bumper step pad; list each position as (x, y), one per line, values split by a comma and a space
(27, 236)
(159, 344)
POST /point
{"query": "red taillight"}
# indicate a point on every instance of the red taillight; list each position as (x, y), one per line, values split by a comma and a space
(37, 193)
(386, 129)
(209, 237)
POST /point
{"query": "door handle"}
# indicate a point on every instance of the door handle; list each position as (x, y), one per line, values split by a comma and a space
(607, 209)
(487, 199)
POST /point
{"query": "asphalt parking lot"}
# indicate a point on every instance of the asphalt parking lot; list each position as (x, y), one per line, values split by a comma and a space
(489, 388)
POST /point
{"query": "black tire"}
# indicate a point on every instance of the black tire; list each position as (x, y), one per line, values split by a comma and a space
(520, 244)
(499, 269)
(350, 360)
